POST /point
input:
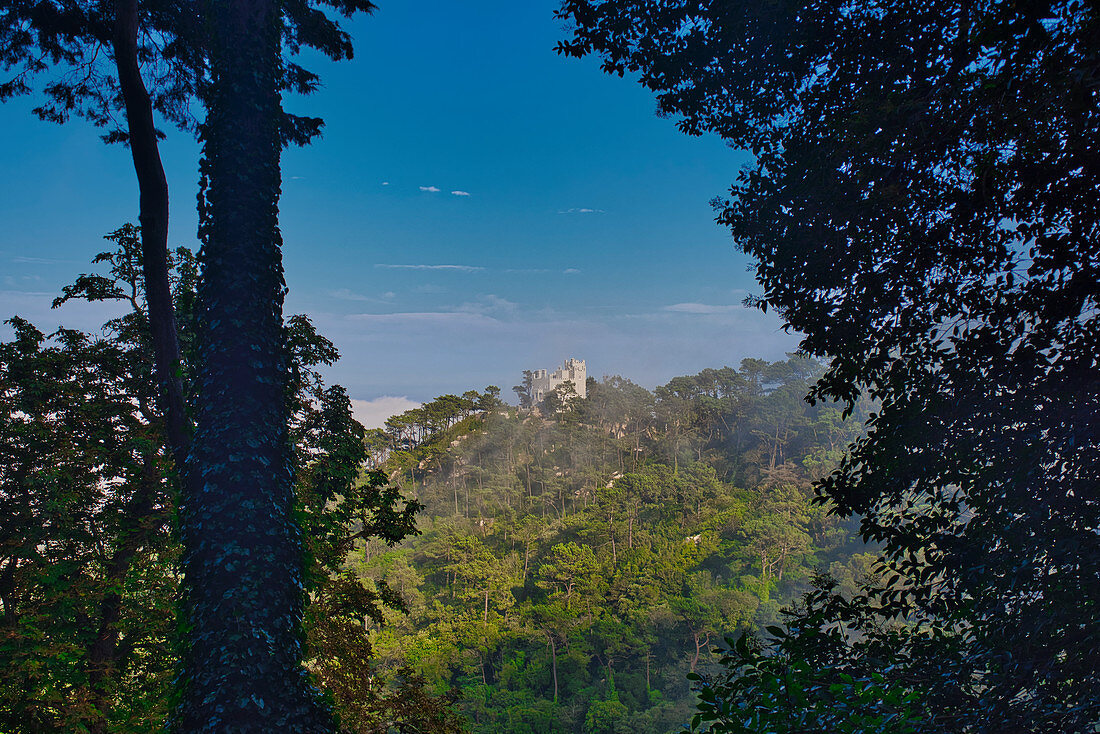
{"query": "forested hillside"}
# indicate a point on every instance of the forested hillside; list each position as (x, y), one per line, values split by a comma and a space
(576, 562)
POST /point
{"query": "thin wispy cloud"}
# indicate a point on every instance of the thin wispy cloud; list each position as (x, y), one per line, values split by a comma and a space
(17, 283)
(16, 293)
(460, 193)
(459, 268)
(385, 183)
(345, 294)
(701, 308)
(38, 260)
(425, 318)
(580, 210)
(433, 189)
(537, 271)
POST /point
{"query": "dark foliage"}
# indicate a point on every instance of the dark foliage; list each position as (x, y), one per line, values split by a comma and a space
(71, 45)
(87, 557)
(923, 206)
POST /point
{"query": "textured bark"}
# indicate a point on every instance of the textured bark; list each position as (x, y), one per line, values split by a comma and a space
(243, 591)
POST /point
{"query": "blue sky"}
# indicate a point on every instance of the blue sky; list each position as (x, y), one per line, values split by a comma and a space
(478, 205)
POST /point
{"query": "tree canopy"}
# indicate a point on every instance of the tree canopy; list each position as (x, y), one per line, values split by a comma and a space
(923, 208)
(72, 46)
(576, 564)
(88, 557)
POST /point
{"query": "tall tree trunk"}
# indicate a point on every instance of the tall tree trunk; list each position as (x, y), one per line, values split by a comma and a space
(554, 659)
(242, 586)
(611, 532)
(775, 449)
(153, 215)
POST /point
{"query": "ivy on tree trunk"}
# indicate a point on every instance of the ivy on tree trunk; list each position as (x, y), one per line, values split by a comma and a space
(243, 585)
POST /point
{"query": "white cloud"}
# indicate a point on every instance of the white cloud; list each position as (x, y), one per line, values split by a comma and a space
(429, 188)
(570, 271)
(701, 308)
(580, 210)
(460, 193)
(461, 268)
(373, 413)
(385, 183)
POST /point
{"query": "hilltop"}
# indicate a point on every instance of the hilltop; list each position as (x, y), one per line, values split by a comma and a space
(578, 560)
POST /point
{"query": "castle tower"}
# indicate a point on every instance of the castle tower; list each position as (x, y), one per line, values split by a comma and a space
(544, 383)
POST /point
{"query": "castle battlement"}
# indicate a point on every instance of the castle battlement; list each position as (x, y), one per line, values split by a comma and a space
(543, 382)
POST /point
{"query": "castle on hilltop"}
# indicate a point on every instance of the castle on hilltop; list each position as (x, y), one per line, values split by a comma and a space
(543, 382)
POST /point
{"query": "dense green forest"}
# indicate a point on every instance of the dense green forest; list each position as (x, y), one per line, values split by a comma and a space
(574, 561)
(578, 560)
